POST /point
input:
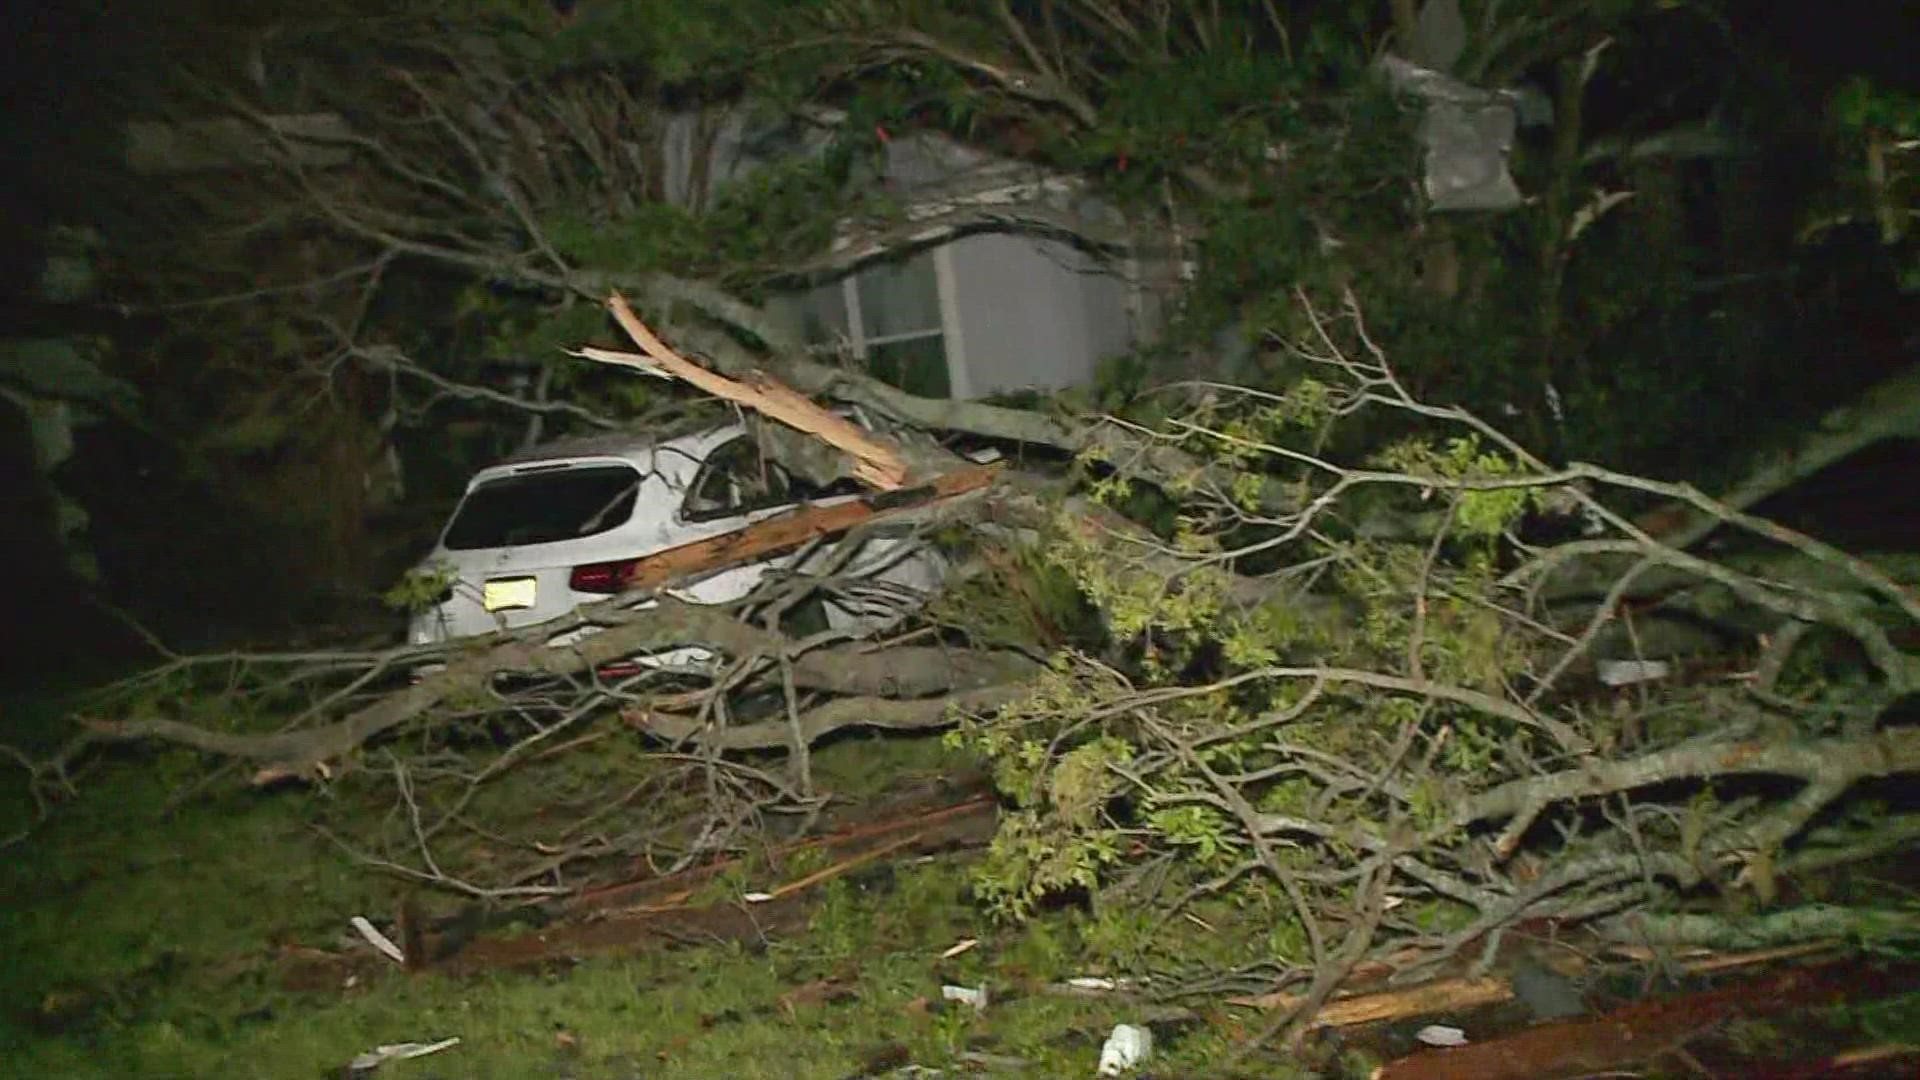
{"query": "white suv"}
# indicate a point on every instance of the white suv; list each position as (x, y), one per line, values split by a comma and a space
(558, 526)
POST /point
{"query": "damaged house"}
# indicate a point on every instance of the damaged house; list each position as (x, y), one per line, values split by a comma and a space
(993, 276)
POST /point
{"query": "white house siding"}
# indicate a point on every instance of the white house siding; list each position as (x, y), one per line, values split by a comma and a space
(1033, 314)
(979, 302)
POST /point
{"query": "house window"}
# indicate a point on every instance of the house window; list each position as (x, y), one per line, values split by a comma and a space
(890, 315)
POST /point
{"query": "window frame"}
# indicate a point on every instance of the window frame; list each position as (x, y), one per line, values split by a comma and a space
(946, 302)
(530, 477)
(797, 489)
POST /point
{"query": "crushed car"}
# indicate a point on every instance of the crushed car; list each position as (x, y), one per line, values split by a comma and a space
(564, 524)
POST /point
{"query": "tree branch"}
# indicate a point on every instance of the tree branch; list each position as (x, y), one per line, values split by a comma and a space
(1889, 410)
(891, 714)
(1829, 763)
(905, 672)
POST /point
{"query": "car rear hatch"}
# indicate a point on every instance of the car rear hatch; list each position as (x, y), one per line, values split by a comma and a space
(526, 541)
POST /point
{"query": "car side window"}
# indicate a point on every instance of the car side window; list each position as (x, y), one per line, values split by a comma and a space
(736, 479)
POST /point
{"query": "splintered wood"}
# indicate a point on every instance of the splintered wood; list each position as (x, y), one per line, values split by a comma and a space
(791, 529)
(876, 464)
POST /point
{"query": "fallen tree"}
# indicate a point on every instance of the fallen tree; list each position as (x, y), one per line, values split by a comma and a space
(1279, 682)
(1205, 691)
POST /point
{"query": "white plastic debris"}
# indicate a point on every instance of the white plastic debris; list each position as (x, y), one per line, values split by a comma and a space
(378, 940)
(975, 996)
(1467, 132)
(1126, 1048)
(1441, 1035)
(380, 1055)
(1093, 982)
(1628, 672)
(757, 897)
(959, 947)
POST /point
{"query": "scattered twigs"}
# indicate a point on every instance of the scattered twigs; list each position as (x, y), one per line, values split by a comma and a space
(663, 892)
(662, 624)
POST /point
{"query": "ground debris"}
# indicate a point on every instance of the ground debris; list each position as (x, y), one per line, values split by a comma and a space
(1441, 1035)
(1642, 1031)
(1126, 1048)
(371, 1060)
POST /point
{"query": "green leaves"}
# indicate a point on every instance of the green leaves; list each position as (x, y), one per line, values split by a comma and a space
(1032, 856)
(1859, 106)
(1483, 512)
(1201, 828)
(757, 227)
(420, 589)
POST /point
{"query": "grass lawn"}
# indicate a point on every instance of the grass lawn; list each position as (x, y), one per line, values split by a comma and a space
(141, 941)
(145, 943)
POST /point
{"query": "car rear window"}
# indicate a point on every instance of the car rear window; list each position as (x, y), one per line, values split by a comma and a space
(544, 507)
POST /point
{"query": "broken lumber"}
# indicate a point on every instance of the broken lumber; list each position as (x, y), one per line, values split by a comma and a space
(1447, 995)
(1627, 1036)
(1452, 995)
(876, 464)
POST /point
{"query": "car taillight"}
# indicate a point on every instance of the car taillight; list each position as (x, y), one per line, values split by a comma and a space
(605, 578)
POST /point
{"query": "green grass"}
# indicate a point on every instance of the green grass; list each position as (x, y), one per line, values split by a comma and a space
(141, 943)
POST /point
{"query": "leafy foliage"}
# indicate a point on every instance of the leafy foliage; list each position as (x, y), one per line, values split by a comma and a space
(1269, 756)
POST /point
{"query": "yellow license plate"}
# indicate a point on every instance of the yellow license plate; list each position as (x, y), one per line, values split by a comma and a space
(507, 594)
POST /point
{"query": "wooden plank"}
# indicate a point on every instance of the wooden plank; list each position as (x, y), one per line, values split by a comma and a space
(776, 534)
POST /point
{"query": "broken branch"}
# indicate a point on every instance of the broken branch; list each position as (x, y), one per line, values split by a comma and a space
(906, 672)
(789, 530)
(894, 715)
(876, 464)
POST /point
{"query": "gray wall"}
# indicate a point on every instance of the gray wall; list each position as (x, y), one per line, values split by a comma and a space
(1033, 313)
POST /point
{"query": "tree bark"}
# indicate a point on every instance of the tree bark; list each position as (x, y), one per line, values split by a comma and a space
(1889, 410)
(889, 714)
